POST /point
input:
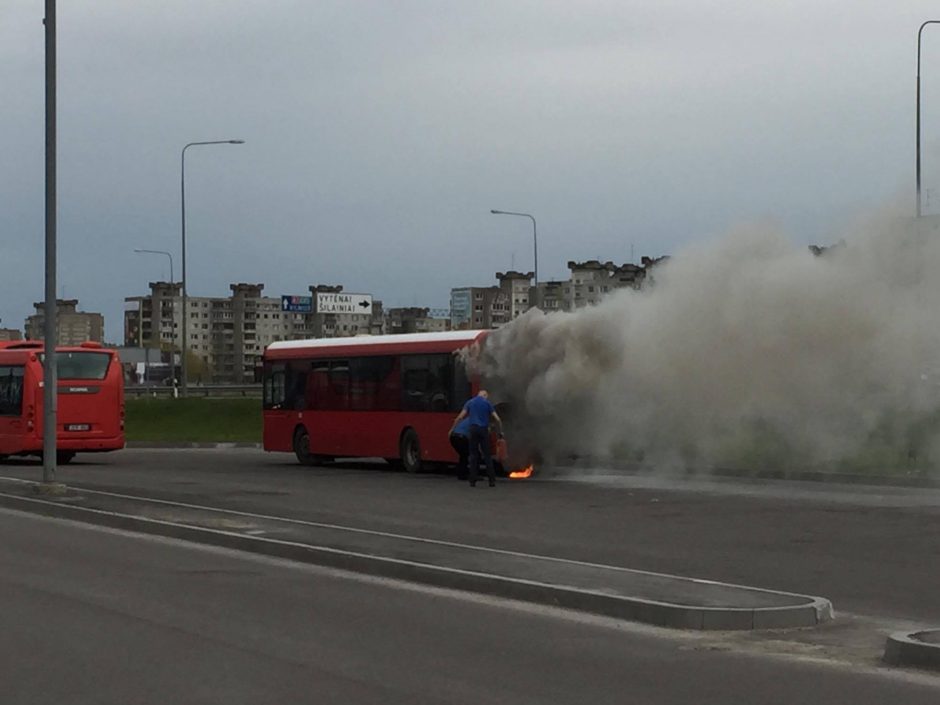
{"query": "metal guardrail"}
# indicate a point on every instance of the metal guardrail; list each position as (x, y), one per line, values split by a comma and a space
(195, 390)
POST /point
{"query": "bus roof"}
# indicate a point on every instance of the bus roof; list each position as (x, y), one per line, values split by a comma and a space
(375, 344)
(16, 356)
(37, 345)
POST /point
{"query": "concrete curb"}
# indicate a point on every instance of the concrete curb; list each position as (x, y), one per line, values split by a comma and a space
(809, 612)
(921, 648)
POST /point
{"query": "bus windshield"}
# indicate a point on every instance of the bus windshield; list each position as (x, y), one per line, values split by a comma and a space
(82, 365)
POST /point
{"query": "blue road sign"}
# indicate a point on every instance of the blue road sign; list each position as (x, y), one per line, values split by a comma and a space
(297, 304)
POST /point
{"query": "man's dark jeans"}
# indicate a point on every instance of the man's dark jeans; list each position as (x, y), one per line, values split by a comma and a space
(480, 446)
(461, 444)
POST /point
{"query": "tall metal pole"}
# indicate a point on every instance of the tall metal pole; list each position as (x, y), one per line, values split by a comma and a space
(161, 252)
(185, 313)
(50, 373)
(183, 230)
(917, 158)
(535, 245)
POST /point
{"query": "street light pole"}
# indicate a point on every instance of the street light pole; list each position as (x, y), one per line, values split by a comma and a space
(535, 245)
(50, 390)
(183, 347)
(161, 252)
(917, 159)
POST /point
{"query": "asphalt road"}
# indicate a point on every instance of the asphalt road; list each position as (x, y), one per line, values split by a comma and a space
(96, 616)
(872, 551)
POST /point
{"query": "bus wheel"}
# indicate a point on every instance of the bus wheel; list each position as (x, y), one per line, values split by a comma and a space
(302, 448)
(410, 451)
(64, 457)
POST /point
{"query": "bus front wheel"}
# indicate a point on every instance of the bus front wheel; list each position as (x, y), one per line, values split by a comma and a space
(64, 457)
(302, 448)
(410, 451)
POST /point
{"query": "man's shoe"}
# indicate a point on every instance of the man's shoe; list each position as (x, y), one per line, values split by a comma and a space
(473, 483)
(492, 483)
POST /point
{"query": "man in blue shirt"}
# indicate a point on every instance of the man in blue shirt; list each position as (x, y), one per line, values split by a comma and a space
(479, 411)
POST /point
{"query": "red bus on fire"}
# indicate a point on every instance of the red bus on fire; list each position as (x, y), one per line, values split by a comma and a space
(388, 396)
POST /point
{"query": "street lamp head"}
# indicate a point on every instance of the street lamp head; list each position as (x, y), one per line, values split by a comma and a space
(236, 141)
(495, 212)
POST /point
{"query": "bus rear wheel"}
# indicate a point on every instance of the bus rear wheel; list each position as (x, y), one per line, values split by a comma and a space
(64, 457)
(410, 451)
(302, 449)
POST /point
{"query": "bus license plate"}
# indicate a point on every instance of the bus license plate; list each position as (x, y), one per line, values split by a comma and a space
(78, 427)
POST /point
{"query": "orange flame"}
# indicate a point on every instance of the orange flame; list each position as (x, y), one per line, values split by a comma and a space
(523, 473)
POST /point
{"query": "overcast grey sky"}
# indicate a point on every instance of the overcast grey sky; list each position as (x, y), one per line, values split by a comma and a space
(380, 134)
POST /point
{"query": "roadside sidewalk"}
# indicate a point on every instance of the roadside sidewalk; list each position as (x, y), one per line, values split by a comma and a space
(652, 598)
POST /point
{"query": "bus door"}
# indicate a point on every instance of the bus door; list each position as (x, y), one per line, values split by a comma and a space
(278, 434)
(12, 421)
(328, 391)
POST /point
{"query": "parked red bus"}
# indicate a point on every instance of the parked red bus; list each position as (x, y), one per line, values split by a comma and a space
(90, 413)
(387, 396)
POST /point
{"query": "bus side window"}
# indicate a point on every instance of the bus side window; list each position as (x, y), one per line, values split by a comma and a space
(414, 383)
(389, 394)
(339, 385)
(426, 382)
(441, 368)
(318, 385)
(460, 384)
(373, 384)
(11, 390)
(328, 385)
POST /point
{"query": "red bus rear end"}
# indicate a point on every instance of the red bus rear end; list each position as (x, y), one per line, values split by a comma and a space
(90, 414)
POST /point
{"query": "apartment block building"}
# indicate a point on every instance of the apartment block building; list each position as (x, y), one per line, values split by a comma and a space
(550, 295)
(414, 319)
(229, 334)
(74, 327)
(477, 307)
(517, 286)
(591, 280)
(154, 321)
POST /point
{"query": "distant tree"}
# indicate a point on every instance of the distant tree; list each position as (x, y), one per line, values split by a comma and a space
(198, 368)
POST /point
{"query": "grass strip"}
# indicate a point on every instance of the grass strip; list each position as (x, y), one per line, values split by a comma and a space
(193, 420)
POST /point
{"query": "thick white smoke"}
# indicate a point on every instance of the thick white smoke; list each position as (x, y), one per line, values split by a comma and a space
(748, 350)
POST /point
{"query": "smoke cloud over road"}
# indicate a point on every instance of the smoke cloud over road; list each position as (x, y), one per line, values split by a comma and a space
(747, 351)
